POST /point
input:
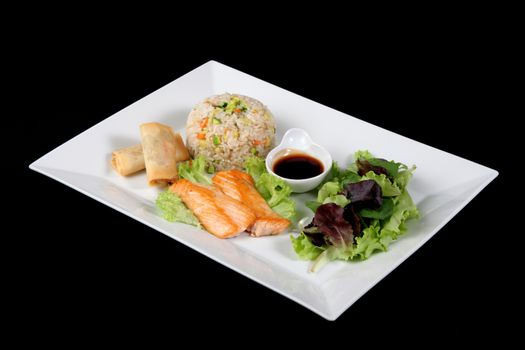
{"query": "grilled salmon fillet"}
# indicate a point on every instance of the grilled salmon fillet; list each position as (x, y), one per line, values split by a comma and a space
(221, 215)
(240, 186)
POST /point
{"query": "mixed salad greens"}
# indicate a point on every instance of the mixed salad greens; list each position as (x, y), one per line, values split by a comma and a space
(358, 211)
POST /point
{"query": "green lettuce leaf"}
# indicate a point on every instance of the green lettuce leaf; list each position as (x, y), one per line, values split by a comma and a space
(312, 205)
(274, 190)
(391, 167)
(363, 154)
(174, 210)
(341, 176)
(328, 193)
(385, 211)
(349, 176)
(335, 171)
(285, 208)
(195, 170)
(403, 177)
(329, 189)
(368, 243)
(365, 245)
(394, 226)
(255, 166)
(304, 249)
(331, 253)
(338, 199)
(388, 189)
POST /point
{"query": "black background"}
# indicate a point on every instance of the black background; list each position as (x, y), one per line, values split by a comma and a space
(79, 267)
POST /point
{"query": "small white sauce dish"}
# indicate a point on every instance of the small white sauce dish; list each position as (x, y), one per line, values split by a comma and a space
(297, 140)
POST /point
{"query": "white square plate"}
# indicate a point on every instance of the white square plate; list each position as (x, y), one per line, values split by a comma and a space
(443, 184)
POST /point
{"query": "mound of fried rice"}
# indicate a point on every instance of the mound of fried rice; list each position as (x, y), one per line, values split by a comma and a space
(228, 128)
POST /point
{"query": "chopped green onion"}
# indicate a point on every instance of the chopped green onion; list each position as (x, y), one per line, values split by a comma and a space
(216, 121)
(216, 140)
(254, 151)
(210, 169)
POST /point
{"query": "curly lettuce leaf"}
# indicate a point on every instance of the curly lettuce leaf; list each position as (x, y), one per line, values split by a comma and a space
(274, 190)
(350, 176)
(255, 166)
(341, 176)
(403, 177)
(388, 189)
(195, 170)
(368, 243)
(364, 246)
(335, 171)
(277, 194)
(305, 249)
(338, 199)
(394, 226)
(328, 193)
(330, 188)
(174, 210)
(285, 208)
(391, 167)
(363, 154)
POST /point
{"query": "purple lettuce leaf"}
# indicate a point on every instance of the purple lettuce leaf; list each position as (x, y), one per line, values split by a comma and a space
(364, 166)
(364, 194)
(330, 221)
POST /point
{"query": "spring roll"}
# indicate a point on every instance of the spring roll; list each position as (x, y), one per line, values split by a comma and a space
(182, 151)
(129, 160)
(159, 144)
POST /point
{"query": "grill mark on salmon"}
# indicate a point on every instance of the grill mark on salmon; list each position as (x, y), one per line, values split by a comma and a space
(221, 215)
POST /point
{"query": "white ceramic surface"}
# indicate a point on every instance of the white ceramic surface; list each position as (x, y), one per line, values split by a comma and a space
(442, 185)
(296, 139)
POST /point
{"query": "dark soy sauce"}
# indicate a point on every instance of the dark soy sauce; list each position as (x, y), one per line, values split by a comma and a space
(298, 166)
